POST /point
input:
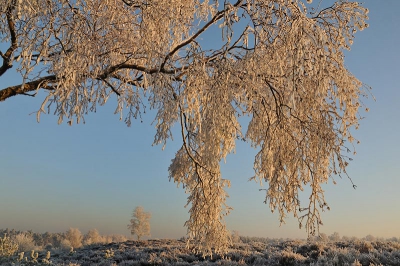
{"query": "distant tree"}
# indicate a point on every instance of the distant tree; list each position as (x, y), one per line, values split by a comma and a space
(47, 238)
(235, 236)
(56, 239)
(346, 238)
(334, 237)
(115, 238)
(92, 237)
(65, 245)
(25, 242)
(279, 63)
(118, 238)
(74, 236)
(38, 239)
(370, 238)
(140, 223)
(323, 237)
(354, 239)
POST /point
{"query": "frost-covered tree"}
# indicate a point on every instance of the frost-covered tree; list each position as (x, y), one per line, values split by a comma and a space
(117, 238)
(92, 237)
(370, 238)
(140, 223)
(235, 236)
(75, 237)
(203, 64)
(323, 237)
(334, 237)
(25, 242)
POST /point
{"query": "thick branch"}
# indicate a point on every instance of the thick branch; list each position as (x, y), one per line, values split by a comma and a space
(113, 69)
(7, 57)
(27, 87)
(39, 83)
(22, 89)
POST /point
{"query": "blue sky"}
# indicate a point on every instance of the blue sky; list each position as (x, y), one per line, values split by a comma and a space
(93, 175)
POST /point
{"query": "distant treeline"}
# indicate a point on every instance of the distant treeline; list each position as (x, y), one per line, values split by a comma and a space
(72, 238)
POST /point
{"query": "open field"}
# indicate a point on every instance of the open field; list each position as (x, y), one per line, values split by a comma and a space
(174, 252)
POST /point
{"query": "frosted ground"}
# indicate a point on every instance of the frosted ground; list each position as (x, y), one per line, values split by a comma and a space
(248, 251)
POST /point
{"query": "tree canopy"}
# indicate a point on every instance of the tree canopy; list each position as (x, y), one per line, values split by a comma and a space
(278, 62)
(140, 222)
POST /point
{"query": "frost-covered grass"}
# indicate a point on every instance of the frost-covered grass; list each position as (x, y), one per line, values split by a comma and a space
(174, 252)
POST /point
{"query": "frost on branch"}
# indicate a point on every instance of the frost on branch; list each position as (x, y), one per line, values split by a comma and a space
(278, 62)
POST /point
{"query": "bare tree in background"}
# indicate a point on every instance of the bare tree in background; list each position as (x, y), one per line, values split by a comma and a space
(280, 63)
(140, 223)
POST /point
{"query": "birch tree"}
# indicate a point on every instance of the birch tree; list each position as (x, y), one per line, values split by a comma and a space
(280, 63)
(140, 223)
(75, 237)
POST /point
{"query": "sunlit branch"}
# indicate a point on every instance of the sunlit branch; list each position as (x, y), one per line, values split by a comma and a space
(216, 17)
(23, 89)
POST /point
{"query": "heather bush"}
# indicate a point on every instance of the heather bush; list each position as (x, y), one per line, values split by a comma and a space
(7, 246)
(256, 252)
(345, 257)
(364, 246)
(290, 258)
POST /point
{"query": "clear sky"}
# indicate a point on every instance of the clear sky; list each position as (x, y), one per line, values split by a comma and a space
(93, 175)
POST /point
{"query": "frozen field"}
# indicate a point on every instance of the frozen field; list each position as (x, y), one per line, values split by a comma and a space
(267, 252)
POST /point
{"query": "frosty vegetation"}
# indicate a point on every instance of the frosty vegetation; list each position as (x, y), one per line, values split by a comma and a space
(280, 63)
(25, 241)
(331, 250)
(140, 222)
